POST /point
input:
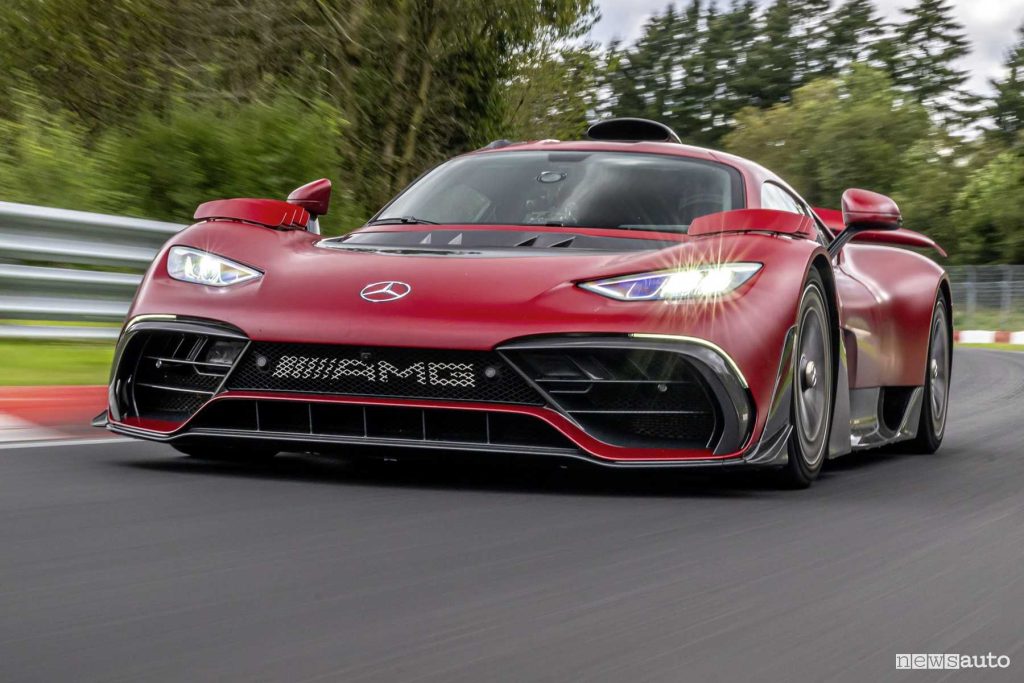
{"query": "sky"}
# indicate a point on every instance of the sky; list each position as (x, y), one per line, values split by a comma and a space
(990, 25)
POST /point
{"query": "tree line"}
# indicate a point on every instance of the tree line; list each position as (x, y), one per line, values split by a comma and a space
(148, 107)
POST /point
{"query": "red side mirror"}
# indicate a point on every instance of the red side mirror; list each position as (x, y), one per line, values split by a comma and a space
(314, 197)
(865, 210)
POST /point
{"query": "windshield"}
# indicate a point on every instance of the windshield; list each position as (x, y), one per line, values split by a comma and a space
(582, 189)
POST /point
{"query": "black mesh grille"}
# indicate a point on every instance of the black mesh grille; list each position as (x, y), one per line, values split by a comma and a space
(478, 376)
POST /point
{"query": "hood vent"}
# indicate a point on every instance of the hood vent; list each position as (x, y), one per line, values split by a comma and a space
(486, 242)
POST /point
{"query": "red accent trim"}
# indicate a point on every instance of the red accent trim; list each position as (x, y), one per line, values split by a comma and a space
(270, 213)
(1002, 337)
(752, 220)
(587, 443)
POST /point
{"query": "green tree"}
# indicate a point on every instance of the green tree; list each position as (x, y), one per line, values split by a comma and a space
(932, 173)
(836, 133)
(927, 46)
(1007, 108)
(988, 212)
(552, 98)
(773, 56)
(853, 32)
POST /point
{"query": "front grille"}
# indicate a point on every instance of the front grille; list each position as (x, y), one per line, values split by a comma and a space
(477, 376)
(626, 396)
(350, 423)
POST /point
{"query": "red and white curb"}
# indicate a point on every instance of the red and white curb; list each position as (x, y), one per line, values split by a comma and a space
(50, 415)
(988, 337)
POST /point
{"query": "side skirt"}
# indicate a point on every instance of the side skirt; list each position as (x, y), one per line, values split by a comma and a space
(868, 426)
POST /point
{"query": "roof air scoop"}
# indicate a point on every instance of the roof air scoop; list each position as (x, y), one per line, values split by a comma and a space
(632, 130)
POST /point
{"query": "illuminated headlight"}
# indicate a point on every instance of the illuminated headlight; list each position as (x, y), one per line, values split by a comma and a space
(191, 265)
(699, 282)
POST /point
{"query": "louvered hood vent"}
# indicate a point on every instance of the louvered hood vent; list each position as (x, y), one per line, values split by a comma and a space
(483, 242)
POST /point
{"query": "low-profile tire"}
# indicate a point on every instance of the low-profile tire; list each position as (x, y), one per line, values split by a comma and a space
(226, 452)
(813, 387)
(935, 402)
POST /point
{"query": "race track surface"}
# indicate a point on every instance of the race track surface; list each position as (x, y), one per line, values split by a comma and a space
(124, 561)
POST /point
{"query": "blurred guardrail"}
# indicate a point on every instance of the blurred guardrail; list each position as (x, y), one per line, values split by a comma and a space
(61, 270)
(988, 297)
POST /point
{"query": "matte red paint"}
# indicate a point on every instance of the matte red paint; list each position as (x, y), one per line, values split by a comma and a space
(866, 209)
(267, 212)
(753, 220)
(314, 197)
(900, 236)
(311, 294)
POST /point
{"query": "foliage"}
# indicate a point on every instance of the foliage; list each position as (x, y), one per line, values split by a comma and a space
(415, 80)
(836, 133)
(167, 165)
(1007, 108)
(989, 211)
(44, 159)
(926, 47)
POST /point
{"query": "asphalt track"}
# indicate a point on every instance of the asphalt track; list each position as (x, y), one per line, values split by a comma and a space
(125, 562)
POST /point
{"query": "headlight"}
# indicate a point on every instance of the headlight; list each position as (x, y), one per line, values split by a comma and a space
(191, 265)
(687, 283)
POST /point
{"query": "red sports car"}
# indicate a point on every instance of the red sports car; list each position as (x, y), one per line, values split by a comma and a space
(626, 300)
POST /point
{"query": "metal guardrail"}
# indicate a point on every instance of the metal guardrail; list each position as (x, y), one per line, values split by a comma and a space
(71, 268)
(59, 266)
(988, 297)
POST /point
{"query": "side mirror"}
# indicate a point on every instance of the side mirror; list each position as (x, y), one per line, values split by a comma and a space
(866, 210)
(314, 197)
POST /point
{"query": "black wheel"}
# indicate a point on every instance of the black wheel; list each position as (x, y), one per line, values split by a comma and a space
(811, 412)
(936, 384)
(226, 452)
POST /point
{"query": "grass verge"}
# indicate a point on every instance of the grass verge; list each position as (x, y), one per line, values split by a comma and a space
(37, 363)
(994, 347)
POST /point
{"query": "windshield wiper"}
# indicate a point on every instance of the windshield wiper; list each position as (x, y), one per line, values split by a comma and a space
(401, 220)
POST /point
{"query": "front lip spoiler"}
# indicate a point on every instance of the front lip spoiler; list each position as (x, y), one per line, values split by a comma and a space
(313, 439)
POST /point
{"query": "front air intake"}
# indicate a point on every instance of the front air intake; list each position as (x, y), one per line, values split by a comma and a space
(632, 397)
(167, 375)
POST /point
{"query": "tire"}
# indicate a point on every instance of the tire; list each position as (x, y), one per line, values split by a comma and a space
(935, 404)
(813, 388)
(226, 452)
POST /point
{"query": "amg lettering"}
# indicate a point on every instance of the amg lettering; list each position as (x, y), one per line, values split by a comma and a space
(416, 370)
(328, 369)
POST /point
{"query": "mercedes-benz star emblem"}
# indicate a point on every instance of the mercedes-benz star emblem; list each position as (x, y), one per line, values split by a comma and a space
(380, 292)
